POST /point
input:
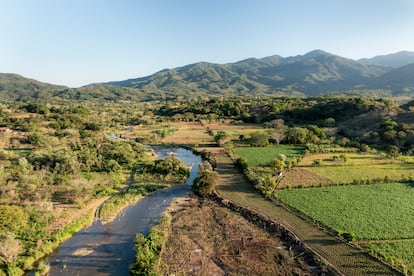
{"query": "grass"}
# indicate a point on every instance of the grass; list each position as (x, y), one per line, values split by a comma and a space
(125, 198)
(381, 211)
(353, 159)
(399, 254)
(263, 156)
(56, 238)
(347, 174)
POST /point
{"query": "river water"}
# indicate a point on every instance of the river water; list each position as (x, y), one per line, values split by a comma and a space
(109, 249)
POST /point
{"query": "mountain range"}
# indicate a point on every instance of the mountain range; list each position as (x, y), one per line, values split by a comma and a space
(314, 73)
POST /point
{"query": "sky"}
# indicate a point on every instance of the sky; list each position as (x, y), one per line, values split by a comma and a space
(78, 42)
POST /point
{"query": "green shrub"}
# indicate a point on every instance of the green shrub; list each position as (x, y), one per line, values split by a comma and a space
(206, 183)
(13, 218)
(148, 249)
(241, 164)
(349, 236)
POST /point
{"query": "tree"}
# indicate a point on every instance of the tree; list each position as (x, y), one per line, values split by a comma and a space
(12, 218)
(259, 139)
(278, 165)
(221, 137)
(206, 183)
(393, 151)
(10, 248)
(279, 130)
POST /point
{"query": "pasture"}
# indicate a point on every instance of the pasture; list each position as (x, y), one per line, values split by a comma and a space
(263, 156)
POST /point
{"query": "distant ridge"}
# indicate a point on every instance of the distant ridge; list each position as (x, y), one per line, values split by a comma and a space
(311, 74)
(393, 60)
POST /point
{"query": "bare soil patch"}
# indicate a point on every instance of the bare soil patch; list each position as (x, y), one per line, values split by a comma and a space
(207, 239)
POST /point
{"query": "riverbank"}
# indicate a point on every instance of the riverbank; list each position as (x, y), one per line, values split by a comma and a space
(107, 249)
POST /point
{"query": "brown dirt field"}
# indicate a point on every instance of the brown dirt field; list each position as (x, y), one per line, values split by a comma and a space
(189, 136)
(227, 125)
(346, 259)
(207, 239)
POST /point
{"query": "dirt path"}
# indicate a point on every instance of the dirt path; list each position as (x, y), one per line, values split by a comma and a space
(347, 259)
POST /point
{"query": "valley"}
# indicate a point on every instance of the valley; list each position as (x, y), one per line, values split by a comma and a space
(292, 183)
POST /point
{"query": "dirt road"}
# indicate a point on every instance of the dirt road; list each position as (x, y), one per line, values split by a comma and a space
(347, 259)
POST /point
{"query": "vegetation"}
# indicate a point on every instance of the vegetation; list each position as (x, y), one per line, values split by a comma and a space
(399, 254)
(373, 212)
(235, 188)
(263, 156)
(149, 248)
(206, 183)
(59, 156)
(125, 198)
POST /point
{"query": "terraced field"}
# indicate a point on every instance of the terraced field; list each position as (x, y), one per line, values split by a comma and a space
(347, 259)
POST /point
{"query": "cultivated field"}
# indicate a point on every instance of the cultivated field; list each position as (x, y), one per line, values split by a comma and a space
(399, 253)
(373, 212)
(345, 258)
(359, 167)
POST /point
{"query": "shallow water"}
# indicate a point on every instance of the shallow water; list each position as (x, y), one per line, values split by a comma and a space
(109, 249)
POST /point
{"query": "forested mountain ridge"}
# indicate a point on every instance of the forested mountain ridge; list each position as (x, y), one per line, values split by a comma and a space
(16, 86)
(400, 79)
(13, 86)
(395, 60)
(312, 74)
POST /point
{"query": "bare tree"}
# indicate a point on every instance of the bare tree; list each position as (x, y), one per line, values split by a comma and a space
(10, 248)
(279, 130)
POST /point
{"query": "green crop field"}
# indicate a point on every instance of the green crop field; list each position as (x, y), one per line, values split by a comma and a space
(380, 211)
(263, 156)
(399, 254)
(347, 174)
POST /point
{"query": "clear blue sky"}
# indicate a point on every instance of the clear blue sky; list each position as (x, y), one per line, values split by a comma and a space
(77, 42)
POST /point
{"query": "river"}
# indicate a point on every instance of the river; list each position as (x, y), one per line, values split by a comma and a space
(109, 249)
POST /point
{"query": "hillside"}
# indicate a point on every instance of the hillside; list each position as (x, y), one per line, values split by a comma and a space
(311, 74)
(392, 60)
(400, 79)
(14, 86)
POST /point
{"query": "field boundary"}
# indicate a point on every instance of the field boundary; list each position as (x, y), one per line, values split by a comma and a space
(348, 259)
(271, 226)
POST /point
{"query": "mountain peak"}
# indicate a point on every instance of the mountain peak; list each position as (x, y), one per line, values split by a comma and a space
(316, 53)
